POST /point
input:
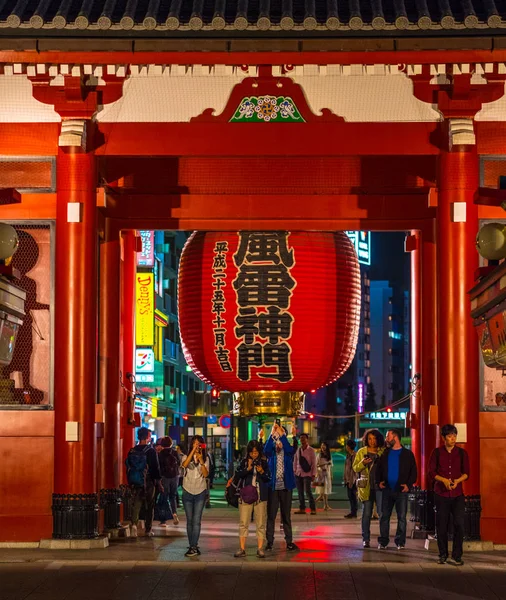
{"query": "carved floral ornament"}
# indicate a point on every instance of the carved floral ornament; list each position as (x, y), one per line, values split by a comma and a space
(266, 109)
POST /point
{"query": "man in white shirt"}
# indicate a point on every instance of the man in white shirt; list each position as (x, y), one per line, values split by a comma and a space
(305, 472)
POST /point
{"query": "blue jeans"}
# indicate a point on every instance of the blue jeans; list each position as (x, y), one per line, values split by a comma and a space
(374, 496)
(304, 485)
(193, 507)
(400, 501)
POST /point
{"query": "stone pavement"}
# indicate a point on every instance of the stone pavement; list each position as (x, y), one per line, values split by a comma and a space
(331, 564)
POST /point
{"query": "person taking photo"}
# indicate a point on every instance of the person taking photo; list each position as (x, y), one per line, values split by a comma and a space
(364, 465)
(196, 470)
(253, 480)
(279, 454)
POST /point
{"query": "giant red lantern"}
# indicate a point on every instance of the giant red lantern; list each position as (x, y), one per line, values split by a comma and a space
(269, 310)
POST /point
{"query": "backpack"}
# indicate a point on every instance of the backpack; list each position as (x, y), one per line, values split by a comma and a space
(137, 467)
(303, 462)
(232, 492)
(461, 452)
(169, 464)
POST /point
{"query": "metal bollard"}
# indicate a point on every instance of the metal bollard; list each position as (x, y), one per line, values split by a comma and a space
(110, 502)
(75, 516)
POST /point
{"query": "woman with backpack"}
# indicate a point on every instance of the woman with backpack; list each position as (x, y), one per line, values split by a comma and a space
(169, 467)
(196, 471)
(365, 464)
(254, 477)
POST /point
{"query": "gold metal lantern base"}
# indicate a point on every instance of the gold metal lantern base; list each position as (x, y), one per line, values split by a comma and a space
(269, 402)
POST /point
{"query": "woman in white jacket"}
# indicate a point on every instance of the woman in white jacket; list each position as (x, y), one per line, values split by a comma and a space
(324, 475)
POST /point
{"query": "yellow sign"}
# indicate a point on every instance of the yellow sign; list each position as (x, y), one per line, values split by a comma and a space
(154, 407)
(145, 309)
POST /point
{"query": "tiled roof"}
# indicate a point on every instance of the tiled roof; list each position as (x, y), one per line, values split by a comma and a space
(275, 16)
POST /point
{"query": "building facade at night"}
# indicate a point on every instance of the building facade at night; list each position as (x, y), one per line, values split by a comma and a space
(292, 117)
(387, 354)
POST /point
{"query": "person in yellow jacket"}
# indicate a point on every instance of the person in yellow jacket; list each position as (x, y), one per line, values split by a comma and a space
(373, 446)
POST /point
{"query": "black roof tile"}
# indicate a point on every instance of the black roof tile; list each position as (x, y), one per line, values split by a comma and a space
(275, 16)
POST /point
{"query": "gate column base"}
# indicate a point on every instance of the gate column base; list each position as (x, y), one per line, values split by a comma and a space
(98, 543)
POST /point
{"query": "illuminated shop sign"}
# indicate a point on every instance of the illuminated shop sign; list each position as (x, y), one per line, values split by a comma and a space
(146, 258)
(362, 242)
(145, 309)
(387, 416)
(144, 360)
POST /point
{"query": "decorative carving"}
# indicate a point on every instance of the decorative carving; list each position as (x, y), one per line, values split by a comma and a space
(256, 109)
(244, 104)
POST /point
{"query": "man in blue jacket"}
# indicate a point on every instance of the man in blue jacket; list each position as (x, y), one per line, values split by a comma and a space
(280, 456)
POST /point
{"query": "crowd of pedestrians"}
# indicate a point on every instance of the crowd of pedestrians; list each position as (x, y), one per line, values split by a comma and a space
(379, 474)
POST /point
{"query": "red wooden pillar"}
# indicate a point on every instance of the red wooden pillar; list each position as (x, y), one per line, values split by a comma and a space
(109, 351)
(429, 433)
(413, 243)
(76, 322)
(458, 360)
(128, 271)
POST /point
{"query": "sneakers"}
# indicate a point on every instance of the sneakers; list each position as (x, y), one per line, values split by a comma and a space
(366, 544)
(350, 516)
(268, 548)
(149, 533)
(164, 524)
(382, 547)
(240, 553)
(175, 519)
(442, 560)
(133, 531)
(292, 547)
(191, 552)
(400, 546)
(260, 553)
(458, 561)
(299, 512)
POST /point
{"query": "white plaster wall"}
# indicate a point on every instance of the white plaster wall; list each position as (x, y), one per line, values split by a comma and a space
(169, 98)
(17, 105)
(493, 111)
(367, 98)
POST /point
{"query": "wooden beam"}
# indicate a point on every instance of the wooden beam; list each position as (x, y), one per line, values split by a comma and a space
(273, 224)
(29, 139)
(9, 196)
(308, 208)
(267, 139)
(318, 57)
(31, 207)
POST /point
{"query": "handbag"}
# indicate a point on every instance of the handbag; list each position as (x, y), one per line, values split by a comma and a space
(249, 494)
(362, 481)
(319, 481)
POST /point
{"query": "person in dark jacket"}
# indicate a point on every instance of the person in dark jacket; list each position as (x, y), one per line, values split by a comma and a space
(396, 474)
(253, 472)
(144, 494)
(170, 464)
(280, 457)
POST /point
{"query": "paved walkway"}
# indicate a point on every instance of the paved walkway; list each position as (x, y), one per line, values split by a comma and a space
(331, 564)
